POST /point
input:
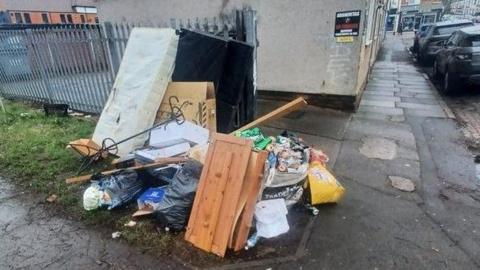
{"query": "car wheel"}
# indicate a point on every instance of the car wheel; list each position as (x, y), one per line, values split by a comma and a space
(449, 83)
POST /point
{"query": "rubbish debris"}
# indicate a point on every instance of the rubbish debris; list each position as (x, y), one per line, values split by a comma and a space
(184, 174)
(116, 235)
(252, 241)
(151, 198)
(113, 191)
(175, 133)
(150, 155)
(55, 109)
(271, 216)
(259, 140)
(277, 113)
(85, 147)
(147, 64)
(402, 183)
(52, 198)
(287, 174)
(174, 207)
(199, 152)
(217, 195)
(227, 63)
(195, 99)
(322, 185)
(130, 224)
(248, 198)
(158, 163)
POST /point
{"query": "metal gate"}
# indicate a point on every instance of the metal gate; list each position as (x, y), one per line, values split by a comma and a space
(77, 64)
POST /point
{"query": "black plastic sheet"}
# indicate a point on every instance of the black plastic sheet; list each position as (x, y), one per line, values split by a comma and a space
(226, 62)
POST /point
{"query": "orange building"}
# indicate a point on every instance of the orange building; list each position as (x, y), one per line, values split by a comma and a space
(48, 12)
(51, 17)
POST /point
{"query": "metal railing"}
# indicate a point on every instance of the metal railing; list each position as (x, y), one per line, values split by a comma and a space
(77, 64)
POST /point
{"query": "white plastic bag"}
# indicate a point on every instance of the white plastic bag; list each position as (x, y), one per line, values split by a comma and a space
(271, 216)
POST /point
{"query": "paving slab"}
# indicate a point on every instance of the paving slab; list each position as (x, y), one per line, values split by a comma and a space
(438, 113)
(427, 101)
(380, 103)
(389, 111)
(400, 132)
(315, 121)
(371, 97)
(410, 105)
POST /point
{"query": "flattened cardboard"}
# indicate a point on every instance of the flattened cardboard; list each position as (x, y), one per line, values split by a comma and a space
(196, 100)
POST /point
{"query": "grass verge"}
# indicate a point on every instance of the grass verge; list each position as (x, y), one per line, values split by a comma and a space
(33, 156)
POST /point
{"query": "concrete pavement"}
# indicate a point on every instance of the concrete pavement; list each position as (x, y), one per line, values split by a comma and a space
(402, 129)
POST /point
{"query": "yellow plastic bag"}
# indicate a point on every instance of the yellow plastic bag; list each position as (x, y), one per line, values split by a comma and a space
(324, 188)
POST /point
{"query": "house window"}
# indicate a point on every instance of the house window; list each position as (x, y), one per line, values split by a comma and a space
(96, 19)
(82, 18)
(18, 18)
(45, 18)
(27, 18)
(69, 18)
(62, 18)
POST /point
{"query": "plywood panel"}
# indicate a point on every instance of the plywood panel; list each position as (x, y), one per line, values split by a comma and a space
(218, 193)
(248, 199)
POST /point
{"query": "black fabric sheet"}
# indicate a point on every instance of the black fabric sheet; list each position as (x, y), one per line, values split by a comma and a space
(226, 62)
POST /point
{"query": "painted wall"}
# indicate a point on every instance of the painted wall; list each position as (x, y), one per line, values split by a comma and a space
(297, 50)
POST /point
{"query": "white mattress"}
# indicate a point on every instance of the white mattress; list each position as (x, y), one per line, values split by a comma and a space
(141, 82)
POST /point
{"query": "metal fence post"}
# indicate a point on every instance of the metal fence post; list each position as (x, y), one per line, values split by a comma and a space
(111, 46)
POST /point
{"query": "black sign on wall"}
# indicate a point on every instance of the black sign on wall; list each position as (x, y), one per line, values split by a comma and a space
(347, 23)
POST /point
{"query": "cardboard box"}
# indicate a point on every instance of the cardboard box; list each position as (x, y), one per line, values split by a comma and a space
(197, 101)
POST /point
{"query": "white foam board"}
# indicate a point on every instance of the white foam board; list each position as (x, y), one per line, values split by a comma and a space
(141, 82)
(173, 133)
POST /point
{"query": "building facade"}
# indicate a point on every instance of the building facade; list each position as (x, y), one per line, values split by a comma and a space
(298, 52)
(465, 7)
(414, 13)
(48, 12)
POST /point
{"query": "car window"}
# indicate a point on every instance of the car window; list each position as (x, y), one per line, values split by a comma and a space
(472, 41)
(446, 30)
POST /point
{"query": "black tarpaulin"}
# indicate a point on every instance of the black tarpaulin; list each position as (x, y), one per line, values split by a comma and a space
(226, 62)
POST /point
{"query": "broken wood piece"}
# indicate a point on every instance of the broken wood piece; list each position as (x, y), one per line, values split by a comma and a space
(85, 147)
(248, 198)
(218, 193)
(143, 212)
(157, 163)
(277, 113)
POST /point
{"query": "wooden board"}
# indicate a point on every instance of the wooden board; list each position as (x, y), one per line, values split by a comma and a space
(158, 163)
(218, 193)
(277, 113)
(248, 199)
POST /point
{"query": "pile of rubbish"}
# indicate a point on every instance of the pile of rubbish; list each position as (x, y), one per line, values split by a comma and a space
(226, 191)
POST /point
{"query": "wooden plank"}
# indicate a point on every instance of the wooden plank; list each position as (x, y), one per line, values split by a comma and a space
(158, 163)
(248, 199)
(218, 193)
(277, 113)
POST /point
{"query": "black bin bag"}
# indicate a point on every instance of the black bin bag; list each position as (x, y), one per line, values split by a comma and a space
(174, 209)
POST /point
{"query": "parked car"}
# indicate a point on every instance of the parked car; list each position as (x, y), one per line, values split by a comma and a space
(458, 62)
(422, 31)
(435, 37)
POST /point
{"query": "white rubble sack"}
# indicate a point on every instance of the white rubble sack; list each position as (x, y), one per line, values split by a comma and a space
(271, 216)
(141, 82)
